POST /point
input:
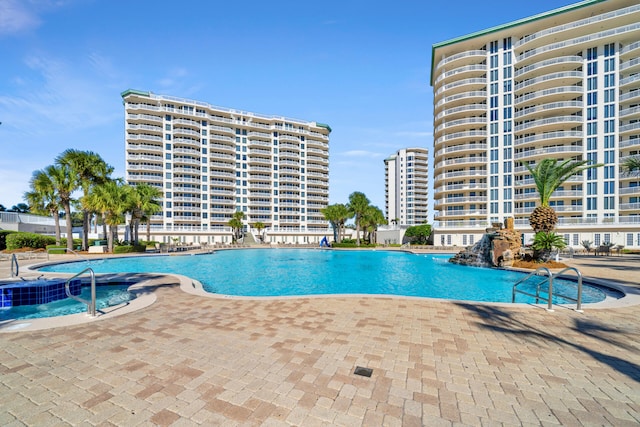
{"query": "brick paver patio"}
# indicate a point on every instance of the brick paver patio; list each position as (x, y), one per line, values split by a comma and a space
(191, 360)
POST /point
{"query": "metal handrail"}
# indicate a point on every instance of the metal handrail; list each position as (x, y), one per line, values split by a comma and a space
(578, 299)
(537, 296)
(14, 262)
(91, 305)
(551, 276)
(67, 250)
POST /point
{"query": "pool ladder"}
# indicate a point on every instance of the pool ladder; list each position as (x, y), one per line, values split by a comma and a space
(91, 305)
(544, 271)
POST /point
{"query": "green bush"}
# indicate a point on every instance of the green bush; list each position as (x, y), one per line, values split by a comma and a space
(28, 240)
(347, 243)
(127, 249)
(3, 238)
(56, 250)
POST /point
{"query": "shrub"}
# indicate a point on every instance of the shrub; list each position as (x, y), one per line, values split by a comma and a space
(127, 249)
(3, 238)
(352, 244)
(56, 250)
(20, 240)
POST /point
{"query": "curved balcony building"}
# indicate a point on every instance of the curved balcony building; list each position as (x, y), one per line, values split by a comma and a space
(563, 84)
(210, 162)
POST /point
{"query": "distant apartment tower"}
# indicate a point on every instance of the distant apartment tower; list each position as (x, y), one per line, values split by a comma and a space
(406, 186)
(563, 84)
(210, 162)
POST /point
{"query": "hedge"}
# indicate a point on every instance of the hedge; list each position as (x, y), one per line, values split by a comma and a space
(126, 249)
(21, 240)
(3, 238)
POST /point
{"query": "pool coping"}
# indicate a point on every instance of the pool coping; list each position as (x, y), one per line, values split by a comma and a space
(194, 287)
(142, 300)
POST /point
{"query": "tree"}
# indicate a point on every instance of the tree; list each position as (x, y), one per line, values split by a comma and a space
(43, 198)
(358, 204)
(373, 217)
(548, 175)
(236, 224)
(20, 208)
(544, 243)
(418, 234)
(143, 202)
(64, 185)
(259, 226)
(631, 165)
(111, 199)
(337, 214)
(586, 244)
(88, 169)
(2, 208)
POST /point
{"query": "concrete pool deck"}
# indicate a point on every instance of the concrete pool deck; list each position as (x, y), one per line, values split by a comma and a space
(189, 360)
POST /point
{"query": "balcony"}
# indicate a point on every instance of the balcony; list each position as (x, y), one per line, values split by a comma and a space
(550, 137)
(462, 136)
(461, 111)
(633, 96)
(468, 148)
(476, 83)
(563, 78)
(552, 122)
(463, 174)
(557, 94)
(460, 187)
(629, 128)
(472, 160)
(460, 200)
(143, 118)
(569, 47)
(541, 110)
(630, 66)
(143, 137)
(467, 212)
(461, 99)
(466, 71)
(546, 151)
(563, 63)
(468, 56)
(631, 80)
(629, 113)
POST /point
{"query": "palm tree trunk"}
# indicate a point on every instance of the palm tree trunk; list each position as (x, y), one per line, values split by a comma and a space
(56, 220)
(85, 230)
(148, 229)
(67, 213)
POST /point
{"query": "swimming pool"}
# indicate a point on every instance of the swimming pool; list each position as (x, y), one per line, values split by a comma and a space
(289, 272)
(107, 295)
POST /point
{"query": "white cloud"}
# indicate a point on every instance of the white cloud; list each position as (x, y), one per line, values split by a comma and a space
(15, 17)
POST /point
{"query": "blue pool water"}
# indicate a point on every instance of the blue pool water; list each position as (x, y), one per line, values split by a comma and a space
(106, 296)
(281, 272)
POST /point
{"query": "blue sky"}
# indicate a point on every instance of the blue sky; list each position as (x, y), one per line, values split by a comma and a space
(360, 66)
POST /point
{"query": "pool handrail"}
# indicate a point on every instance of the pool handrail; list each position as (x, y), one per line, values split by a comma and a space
(14, 262)
(577, 300)
(538, 272)
(91, 305)
(67, 250)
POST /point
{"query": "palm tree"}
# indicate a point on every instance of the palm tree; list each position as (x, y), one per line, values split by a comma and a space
(544, 243)
(548, 175)
(632, 165)
(586, 244)
(259, 226)
(337, 214)
(43, 198)
(236, 224)
(112, 200)
(372, 218)
(358, 205)
(89, 169)
(64, 186)
(144, 202)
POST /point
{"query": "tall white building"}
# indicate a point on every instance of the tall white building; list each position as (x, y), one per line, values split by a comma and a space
(210, 162)
(563, 84)
(406, 186)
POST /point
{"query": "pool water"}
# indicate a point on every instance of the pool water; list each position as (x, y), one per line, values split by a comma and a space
(106, 296)
(288, 272)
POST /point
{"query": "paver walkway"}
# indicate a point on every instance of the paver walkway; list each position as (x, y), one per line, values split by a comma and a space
(189, 360)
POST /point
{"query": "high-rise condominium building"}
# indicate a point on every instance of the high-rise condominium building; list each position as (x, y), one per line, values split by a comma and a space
(406, 184)
(210, 162)
(564, 84)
